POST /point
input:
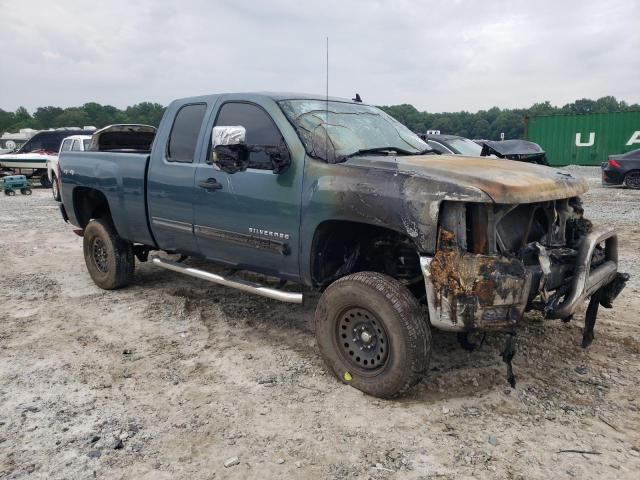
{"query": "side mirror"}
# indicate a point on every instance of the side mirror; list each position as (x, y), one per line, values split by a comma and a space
(229, 151)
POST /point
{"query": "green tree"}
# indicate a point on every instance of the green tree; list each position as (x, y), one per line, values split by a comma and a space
(45, 116)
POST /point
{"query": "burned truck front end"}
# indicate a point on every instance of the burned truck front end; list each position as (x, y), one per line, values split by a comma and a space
(493, 262)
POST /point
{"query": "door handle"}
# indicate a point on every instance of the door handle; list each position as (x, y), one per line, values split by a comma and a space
(210, 184)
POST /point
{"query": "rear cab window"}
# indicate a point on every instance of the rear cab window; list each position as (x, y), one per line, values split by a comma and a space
(183, 138)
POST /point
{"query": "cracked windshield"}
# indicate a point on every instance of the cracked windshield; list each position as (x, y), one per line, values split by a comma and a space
(334, 131)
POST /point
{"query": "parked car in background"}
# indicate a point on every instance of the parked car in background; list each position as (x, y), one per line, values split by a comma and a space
(452, 144)
(622, 169)
(76, 143)
(35, 153)
(520, 150)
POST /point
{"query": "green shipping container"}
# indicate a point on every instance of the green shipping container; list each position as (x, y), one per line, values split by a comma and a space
(585, 139)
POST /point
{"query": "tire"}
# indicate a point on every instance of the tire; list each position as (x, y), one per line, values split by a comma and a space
(372, 334)
(55, 188)
(44, 180)
(109, 258)
(11, 193)
(632, 180)
(27, 191)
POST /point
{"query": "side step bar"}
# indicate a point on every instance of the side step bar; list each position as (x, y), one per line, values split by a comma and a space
(238, 284)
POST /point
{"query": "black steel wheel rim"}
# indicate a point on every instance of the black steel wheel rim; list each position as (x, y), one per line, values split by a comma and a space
(633, 180)
(362, 339)
(100, 258)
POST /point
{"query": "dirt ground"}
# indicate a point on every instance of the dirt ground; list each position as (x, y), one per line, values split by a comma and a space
(173, 377)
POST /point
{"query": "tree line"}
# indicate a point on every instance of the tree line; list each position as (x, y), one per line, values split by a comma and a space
(485, 124)
(92, 114)
(488, 124)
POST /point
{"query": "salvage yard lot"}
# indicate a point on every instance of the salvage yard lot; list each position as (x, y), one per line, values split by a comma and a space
(173, 377)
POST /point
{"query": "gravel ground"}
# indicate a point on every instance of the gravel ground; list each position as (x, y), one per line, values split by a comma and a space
(176, 378)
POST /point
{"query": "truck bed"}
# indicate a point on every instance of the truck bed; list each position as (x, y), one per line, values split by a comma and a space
(121, 178)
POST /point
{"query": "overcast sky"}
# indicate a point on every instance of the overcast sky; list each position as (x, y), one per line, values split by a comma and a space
(437, 55)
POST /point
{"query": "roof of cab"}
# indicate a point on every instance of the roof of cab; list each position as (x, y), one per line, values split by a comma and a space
(275, 96)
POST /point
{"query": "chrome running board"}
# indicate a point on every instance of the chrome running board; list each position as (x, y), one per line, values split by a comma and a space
(238, 284)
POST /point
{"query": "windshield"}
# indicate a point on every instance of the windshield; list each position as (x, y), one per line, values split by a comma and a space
(332, 131)
(466, 147)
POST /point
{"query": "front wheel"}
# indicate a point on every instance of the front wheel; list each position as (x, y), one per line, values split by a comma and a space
(108, 257)
(372, 334)
(632, 180)
(55, 188)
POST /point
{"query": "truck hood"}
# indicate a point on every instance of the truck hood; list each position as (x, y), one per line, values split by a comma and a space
(504, 181)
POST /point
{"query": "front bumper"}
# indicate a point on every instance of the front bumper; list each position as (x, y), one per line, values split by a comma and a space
(470, 292)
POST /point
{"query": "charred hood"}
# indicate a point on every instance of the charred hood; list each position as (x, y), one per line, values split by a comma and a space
(504, 181)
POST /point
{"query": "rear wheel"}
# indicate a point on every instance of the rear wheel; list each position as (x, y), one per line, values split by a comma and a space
(372, 334)
(55, 188)
(632, 180)
(109, 258)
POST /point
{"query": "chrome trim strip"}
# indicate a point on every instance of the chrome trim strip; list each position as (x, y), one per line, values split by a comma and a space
(172, 224)
(239, 284)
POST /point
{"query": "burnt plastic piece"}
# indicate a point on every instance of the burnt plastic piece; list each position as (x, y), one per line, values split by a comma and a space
(232, 158)
(613, 289)
(590, 319)
(507, 356)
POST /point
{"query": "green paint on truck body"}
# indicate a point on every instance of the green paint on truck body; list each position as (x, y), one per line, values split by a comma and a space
(584, 139)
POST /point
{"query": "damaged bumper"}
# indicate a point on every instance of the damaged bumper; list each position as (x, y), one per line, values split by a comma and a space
(587, 279)
(470, 292)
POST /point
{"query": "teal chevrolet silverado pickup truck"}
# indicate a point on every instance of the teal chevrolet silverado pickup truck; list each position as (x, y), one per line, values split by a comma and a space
(336, 196)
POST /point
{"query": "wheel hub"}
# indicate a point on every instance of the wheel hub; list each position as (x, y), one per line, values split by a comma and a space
(100, 255)
(362, 339)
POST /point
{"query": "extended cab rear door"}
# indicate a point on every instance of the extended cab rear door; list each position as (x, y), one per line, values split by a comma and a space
(170, 189)
(252, 218)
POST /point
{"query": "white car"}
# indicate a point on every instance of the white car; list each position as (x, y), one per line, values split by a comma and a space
(78, 143)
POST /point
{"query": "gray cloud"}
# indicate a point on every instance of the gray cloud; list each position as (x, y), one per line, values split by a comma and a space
(439, 56)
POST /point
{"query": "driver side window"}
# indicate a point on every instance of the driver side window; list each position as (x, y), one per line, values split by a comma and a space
(260, 127)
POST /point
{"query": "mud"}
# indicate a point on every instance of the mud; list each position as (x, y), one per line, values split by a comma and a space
(172, 378)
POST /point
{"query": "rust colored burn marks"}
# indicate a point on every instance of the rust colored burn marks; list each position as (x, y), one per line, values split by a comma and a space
(470, 283)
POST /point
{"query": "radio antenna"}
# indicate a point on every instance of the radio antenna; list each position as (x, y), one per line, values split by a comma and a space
(326, 121)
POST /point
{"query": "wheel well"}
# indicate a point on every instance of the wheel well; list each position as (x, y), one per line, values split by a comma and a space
(340, 248)
(89, 203)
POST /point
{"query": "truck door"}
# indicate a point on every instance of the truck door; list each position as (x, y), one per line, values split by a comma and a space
(170, 178)
(251, 219)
